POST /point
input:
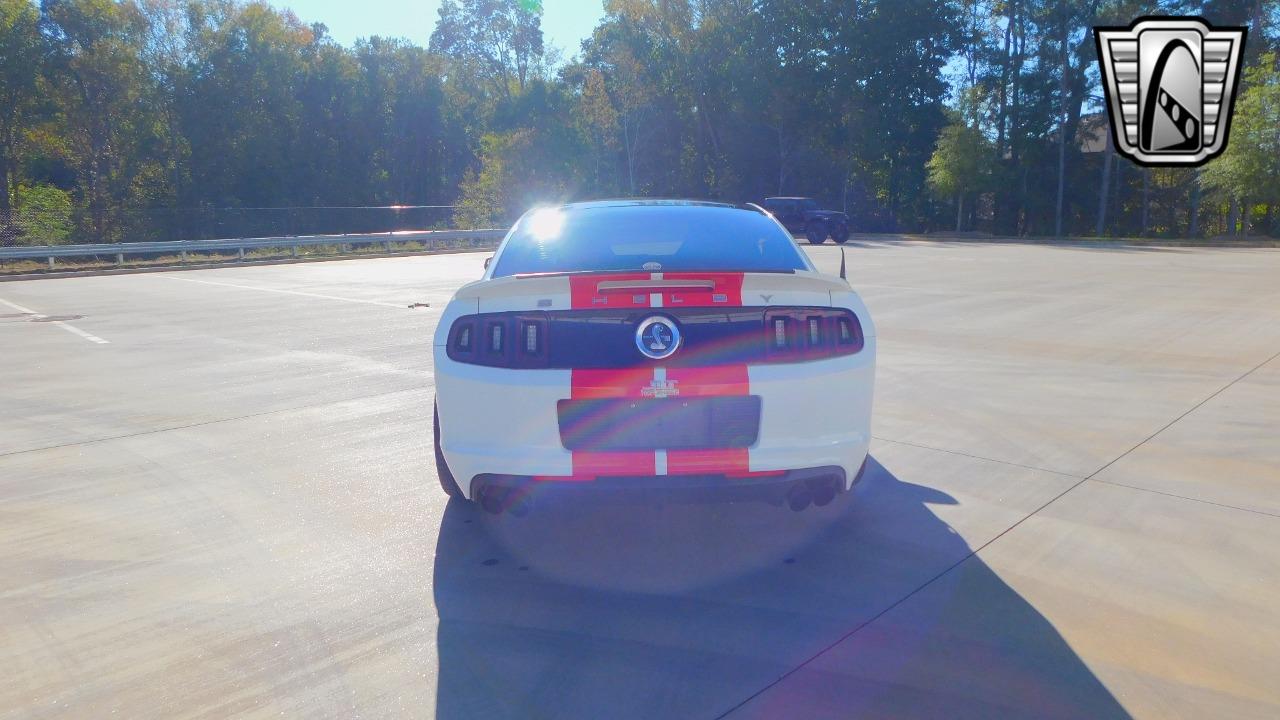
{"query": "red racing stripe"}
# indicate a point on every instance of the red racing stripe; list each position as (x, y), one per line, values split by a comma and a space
(583, 294)
(716, 381)
(732, 380)
(612, 383)
(727, 292)
(614, 463)
(733, 461)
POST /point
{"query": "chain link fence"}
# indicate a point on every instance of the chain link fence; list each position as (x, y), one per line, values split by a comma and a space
(62, 226)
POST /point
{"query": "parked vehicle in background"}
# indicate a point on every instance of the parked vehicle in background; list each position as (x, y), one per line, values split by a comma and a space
(805, 215)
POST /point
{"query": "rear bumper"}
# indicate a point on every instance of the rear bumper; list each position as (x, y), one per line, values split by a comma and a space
(504, 422)
(771, 488)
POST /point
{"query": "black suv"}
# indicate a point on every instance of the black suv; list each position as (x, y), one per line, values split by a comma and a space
(803, 215)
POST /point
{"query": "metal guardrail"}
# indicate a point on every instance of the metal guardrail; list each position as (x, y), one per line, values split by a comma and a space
(434, 239)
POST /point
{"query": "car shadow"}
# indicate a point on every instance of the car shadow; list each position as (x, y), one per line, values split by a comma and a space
(590, 607)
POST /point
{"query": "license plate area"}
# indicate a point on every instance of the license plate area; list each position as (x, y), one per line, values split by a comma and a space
(659, 423)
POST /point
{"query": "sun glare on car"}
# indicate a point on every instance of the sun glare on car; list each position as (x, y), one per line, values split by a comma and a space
(545, 224)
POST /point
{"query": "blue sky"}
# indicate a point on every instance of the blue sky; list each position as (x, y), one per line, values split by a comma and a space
(564, 22)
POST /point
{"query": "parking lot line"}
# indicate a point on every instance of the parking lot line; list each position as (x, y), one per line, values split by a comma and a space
(65, 326)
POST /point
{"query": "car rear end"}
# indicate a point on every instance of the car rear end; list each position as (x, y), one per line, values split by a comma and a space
(757, 382)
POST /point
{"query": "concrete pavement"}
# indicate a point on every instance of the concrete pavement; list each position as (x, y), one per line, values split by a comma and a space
(228, 507)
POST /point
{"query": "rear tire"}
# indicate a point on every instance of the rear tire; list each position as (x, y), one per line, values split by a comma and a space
(840, 233)
(447, 483)
(816, 232)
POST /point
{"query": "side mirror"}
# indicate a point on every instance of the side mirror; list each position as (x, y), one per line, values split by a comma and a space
(487, 261)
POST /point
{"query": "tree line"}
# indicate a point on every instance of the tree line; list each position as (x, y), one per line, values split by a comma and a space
(138, 119)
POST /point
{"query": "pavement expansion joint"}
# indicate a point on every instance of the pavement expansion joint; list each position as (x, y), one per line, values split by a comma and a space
(1185, 497)
(975, 457)
(1190, 410)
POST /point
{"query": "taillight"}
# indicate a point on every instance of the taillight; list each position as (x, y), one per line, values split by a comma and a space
(534, 349)
(781, 333)
(496, 331)
(798, 334)
(606, 338)
(515, 340)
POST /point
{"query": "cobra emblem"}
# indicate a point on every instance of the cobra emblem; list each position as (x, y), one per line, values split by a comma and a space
(657, 337)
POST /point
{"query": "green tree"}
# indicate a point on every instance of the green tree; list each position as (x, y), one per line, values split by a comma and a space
(101, 88)
(960, 165)
(623, 56)
(43, 215)
(500, 40)
(20, 56)
(166, 53)
(1248, 172)
(403, 106)
(600, 123)
(524, 167)
(240, 110)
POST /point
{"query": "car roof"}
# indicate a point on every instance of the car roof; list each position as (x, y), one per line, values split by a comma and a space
(645, 202)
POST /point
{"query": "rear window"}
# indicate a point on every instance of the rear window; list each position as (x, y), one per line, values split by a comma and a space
(647, 237)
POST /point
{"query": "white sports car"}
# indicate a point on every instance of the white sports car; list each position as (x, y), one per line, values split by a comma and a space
(674, 346)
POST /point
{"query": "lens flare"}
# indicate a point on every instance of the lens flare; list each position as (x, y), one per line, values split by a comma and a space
(545, 224)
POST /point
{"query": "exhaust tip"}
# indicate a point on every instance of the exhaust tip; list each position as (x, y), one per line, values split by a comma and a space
(823, 491)
(492, 500)
(799, 497)
(518, 502)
